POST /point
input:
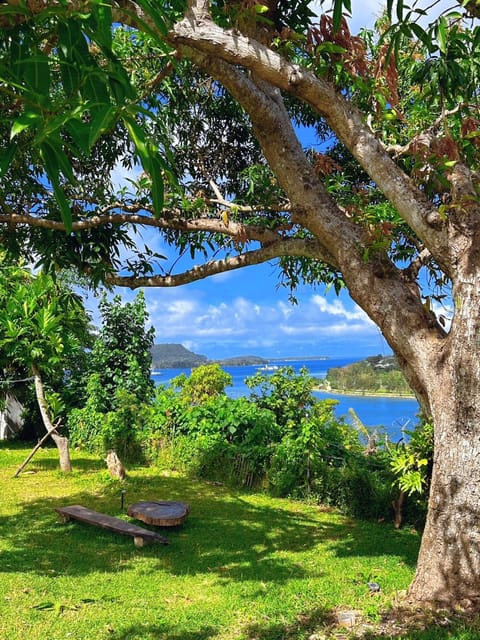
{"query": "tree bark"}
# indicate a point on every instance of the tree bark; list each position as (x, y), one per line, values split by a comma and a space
(448, 570)
(60, 441)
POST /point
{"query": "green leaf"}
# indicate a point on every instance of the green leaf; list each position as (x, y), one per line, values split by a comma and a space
(337, 16)
(151, 8)
(158, 187)
(6, 157)
(421, 34)
(79, 132)
(94, 88)
(400, 10)
(150, 159)
(102, 13)
(52, 169)
(36, 72)
(71, 52)
(24, 121)
(63, 161)
(330, 47)
(137, 136)
(442, 35)
(103, 120)
(54, 125)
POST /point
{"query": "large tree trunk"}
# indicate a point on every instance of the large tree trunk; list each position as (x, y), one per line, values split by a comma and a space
(60, 441)
(448, 570)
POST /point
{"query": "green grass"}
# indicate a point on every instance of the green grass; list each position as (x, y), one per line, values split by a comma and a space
(243, 566)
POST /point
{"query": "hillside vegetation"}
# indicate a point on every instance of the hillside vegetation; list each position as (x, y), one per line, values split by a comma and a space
(376, 374)
(175, 356)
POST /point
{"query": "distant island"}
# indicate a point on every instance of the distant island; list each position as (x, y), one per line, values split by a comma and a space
(376, 375)
(176, 356)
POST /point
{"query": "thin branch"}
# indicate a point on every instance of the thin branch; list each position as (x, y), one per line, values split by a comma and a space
(300, 247)
(423, 138)
(212, 225)
(411, 272)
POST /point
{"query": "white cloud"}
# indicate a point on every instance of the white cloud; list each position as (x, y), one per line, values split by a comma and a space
(121, 175)
(264, 328)
(337, 308)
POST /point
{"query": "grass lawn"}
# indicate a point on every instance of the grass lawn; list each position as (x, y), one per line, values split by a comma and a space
(242, 566)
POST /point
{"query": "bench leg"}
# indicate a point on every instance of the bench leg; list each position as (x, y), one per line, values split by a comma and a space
(64, 518)
(139, 541)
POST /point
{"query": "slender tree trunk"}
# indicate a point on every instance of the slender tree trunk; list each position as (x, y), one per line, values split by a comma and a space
(448, 570)
(60, 441)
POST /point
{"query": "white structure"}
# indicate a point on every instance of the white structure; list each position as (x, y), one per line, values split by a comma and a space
(11, 419)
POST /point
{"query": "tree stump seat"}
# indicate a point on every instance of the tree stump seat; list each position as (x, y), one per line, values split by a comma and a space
(140, 535)
(160, 513)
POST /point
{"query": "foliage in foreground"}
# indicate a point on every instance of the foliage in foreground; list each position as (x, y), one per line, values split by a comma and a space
(281, 439)
(119, 387)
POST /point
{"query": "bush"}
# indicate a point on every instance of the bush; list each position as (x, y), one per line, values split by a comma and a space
(122, 430)
(84, 427)
(282, 439)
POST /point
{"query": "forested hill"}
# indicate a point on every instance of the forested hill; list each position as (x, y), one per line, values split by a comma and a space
(376, 374)
(173, 356)
(176, 356)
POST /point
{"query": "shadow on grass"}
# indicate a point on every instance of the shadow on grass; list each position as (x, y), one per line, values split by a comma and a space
(14, 452)
(225, 534)
(162, 632)
(303, 627)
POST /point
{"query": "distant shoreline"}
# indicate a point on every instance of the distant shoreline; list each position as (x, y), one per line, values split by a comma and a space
(368, 394)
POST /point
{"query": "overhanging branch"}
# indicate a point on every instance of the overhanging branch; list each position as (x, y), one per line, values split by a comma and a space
(344, 118)
(243, 232)
(306, 248)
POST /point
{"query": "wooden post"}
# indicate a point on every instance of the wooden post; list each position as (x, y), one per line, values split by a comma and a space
(35, 449)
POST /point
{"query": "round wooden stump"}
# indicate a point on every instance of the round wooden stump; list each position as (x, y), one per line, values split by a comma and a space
(162, 514)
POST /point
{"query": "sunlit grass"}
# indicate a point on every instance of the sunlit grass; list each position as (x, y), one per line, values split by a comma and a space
(242, 566)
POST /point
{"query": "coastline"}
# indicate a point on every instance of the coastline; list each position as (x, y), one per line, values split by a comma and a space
(367, 394)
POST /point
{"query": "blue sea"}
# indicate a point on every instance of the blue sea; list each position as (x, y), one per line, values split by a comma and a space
(394, 414)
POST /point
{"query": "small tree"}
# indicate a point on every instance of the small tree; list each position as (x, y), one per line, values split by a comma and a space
(286, 393)
(205, 382)
(41, 324)
(119, 386)
(121, 355)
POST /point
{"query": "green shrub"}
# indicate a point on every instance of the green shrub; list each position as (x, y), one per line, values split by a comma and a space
(85, 427)
(122, 430)
(281, 438)
(205, 456)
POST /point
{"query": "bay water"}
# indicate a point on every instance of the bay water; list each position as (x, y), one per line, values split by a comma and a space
(394, 414)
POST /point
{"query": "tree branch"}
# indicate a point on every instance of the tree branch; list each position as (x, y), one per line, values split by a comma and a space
(344, 118)
(300, 247)
(243, 232)
(375, 284)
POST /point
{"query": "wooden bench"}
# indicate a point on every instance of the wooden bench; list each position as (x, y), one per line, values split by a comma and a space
(140, 535)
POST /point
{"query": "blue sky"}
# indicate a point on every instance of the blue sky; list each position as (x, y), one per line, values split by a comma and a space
(244, 312)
